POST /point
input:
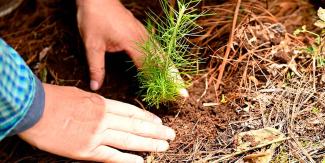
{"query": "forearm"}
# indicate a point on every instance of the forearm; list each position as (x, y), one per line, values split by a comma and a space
(21, 93)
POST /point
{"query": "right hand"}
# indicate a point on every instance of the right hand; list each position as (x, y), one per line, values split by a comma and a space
(106, 25)
(86, 126)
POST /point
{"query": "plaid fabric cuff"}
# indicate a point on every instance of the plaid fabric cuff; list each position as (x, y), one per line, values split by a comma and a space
(17, 89)
(34, 113)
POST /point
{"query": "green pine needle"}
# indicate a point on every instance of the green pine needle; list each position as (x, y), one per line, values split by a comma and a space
(166, 50)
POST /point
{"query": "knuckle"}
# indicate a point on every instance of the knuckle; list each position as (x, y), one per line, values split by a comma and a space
(91, 107)
(127, 142)
(77, 90)
(142, 127)
(94, 69)
(83, 155)
(96, 99)
(93, 44)
(130, 13)
(150, 116)
(132, 116)
(137, 125)
(97, 105)
(114, 48)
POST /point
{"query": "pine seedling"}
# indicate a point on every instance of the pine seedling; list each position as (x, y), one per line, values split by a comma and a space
(167, 50)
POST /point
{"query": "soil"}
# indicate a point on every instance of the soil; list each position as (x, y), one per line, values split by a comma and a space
(37, 25)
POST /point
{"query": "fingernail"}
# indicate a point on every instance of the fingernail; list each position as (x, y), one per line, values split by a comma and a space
(163, 146)
(183, 92)
(171, 134)
(94, 85)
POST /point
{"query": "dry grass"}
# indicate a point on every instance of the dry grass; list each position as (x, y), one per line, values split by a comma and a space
(276, 83)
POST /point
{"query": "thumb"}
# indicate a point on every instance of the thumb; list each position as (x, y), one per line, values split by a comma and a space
(96, 62)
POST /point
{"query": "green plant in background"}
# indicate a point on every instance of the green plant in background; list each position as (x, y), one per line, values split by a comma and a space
(316, 48)
(168, 50)
(303, 29)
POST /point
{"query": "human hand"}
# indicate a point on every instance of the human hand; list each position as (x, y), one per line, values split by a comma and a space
(106, 25)
(86, 126)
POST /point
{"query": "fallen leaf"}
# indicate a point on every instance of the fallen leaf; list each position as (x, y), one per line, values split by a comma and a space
(259, 157)
(259, 138)
(262, 136)
(321, 13)
(320, 24)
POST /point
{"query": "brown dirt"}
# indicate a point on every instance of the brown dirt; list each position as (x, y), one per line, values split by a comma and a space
(38, 24)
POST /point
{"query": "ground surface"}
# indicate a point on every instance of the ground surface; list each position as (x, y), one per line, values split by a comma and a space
(202, 131)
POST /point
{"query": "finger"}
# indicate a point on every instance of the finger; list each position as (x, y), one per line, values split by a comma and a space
(106, 154)
(127, 141)
(96, 61)
(131, 111)
(139, 127)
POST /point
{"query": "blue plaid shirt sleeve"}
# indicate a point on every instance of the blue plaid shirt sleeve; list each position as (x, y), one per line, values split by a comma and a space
(17, 89)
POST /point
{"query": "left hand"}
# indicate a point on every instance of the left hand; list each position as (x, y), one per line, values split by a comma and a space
(106, 25)
(85, 126)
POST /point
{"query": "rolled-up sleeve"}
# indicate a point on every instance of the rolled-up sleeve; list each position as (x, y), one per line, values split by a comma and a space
(21, 93)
